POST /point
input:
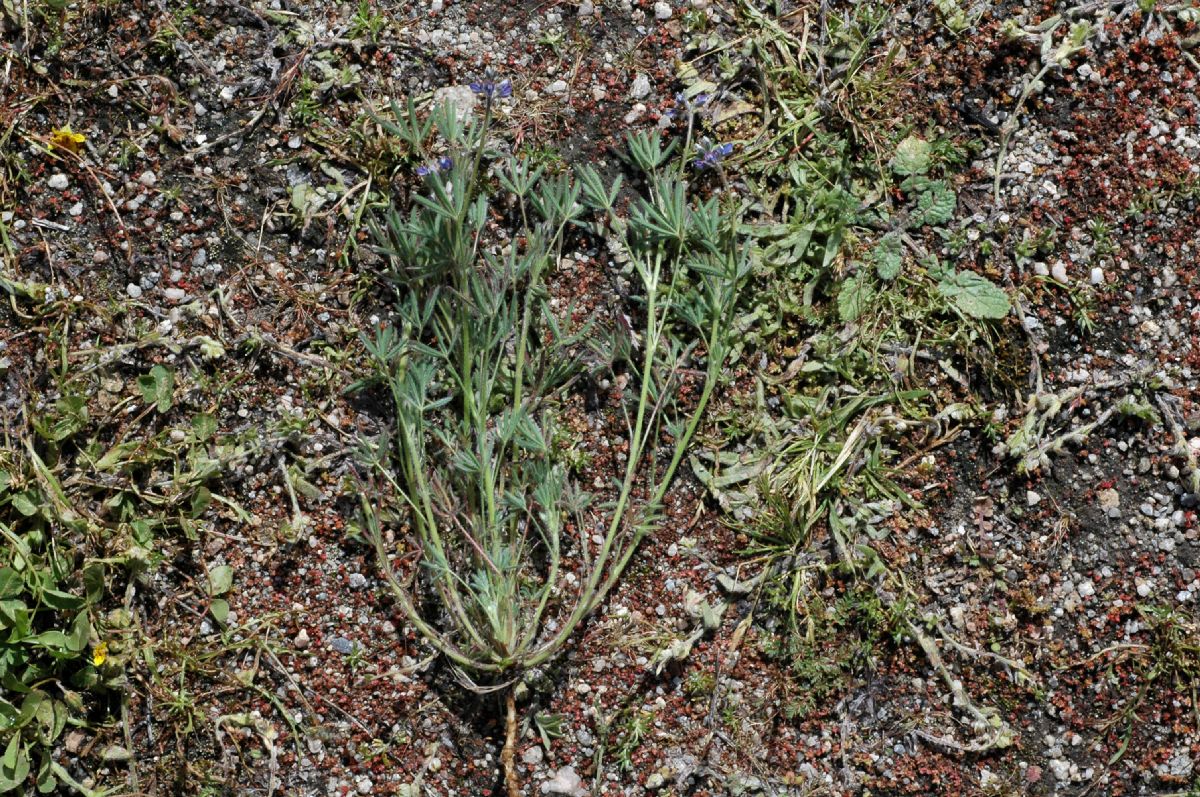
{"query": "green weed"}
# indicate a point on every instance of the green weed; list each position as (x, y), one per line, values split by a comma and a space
(478, 359)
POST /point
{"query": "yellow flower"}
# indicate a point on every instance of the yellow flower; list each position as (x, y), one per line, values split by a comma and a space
(66, 138)
(100, 654)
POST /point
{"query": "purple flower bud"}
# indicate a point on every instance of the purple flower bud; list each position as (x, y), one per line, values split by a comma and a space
(709, 158)
(490, 89)
(442, 164)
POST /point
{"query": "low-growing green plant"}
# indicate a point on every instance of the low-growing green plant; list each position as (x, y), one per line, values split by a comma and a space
(490, 523)
(95, 481)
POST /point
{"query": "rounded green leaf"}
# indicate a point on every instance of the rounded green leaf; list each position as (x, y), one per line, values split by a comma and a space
(220, 579)
(912, 156)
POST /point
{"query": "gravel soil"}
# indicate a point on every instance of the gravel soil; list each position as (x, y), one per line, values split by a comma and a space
(230, 163)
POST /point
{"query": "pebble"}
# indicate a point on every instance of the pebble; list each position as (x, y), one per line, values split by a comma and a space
(586, 8)
(1059, 271)
(134, 291)
(1144, 589)
(302, 641)
(557, 87)
(58, 181)
(462, 97)
(533, 756)
(1032, 498)
(662, 10)
(364, 785)
(1097, 276)
(635, 113)
(342, 645)
(76, 209)
(640, 87)
(1085, 589)
(565, 781)
(357, 581)
(147, 178)
(174, 294)
(1060, 768)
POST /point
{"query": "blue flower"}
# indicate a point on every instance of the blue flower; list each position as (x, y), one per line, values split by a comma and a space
(682, 102)
(442, 164)
(711, 157)
(489, 89)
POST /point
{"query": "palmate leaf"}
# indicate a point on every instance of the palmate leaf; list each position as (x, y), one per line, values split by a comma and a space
(913, 156)
(935, 205)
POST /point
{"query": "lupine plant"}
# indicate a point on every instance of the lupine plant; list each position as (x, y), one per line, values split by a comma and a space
(488, 524)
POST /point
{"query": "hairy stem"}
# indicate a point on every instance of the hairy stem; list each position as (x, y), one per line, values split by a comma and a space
(510, 744)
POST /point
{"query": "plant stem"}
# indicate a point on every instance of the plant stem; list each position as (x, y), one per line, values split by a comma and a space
(1010, 126)
(510, 743)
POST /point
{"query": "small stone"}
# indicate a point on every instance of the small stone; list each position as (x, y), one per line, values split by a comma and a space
(342, 645)
(565, 781)
(634, 114)
(147, 178)
(1144, 589)
(1097, 276)
(76, 209)
(640, 87)
(557, 87)
(1109, 499)
(533, 756)
(357, 581)
(134, 291)
(74, 741)
(363, 785)
(174, 294)
(1032, 498)
(1059, 271)
(662, 10)
(301, 642)
(1060, 768)
(58, 181)
(1085, 589)
(463, 99)
(655, 781)
(586, 8)
(436, 6)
